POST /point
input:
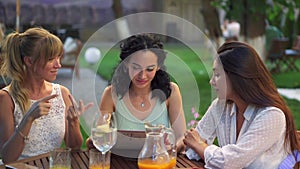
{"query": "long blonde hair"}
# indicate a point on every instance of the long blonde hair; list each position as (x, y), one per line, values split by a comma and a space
(37, 43)
(1, 32)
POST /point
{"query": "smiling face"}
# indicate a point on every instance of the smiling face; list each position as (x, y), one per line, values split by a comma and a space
(41, 51)
(220, 81)
(142, 68)
(49, 70)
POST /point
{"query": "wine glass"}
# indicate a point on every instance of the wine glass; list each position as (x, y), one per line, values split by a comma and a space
(104, 133)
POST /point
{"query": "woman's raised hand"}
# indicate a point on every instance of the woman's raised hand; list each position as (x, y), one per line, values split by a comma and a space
(40, 107)
(75, 110)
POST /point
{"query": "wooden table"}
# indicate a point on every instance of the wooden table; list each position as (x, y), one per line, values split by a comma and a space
(80, 160)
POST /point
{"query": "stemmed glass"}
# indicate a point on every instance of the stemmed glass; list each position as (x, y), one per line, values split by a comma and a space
(104, 133)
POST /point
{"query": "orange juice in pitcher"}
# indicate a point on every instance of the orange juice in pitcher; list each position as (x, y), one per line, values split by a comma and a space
(149, 164)
(154, 154)
(172, 163)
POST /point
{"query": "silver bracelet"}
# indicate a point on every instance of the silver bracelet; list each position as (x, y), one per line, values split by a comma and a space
(26, 138)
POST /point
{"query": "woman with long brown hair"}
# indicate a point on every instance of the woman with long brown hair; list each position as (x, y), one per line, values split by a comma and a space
(254, 126)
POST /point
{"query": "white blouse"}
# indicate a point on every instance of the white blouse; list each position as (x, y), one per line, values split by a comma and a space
(47, 132)
(260, 144)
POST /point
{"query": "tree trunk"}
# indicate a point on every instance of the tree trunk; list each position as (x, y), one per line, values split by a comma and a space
(121, 24)
(251, 16)
(211, 19)
(117, 8)
(254, 26)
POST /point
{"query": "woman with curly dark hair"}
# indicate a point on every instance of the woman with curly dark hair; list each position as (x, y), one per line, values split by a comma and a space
(141, 90)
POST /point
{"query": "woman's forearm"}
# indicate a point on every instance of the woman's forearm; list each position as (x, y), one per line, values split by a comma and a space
(73, 135)
(199, 149)
(14, 146)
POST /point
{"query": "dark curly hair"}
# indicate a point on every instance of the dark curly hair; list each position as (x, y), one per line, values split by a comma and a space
(160, 85)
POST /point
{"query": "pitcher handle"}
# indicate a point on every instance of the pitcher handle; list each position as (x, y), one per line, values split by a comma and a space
(170, 140)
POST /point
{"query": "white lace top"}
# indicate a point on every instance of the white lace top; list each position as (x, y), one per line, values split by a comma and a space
(47, 132)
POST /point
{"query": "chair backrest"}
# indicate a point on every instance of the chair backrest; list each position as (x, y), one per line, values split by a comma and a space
(69, 60)
(292, 160)
(278, 45)
(296, 44)
(271, 33)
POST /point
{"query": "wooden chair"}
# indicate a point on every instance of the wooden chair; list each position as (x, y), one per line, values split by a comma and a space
(297, 165)
(4, 81)
(292, 55)
(276, 54)
(69, 60)
(292, 160)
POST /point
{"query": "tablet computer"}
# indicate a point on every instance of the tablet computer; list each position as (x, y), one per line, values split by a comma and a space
(129, 143)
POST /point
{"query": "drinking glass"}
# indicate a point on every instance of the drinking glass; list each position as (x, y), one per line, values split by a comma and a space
(60, 158)
(104, 133)
(96, 160)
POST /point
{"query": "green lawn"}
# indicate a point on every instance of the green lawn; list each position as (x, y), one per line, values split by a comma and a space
(188, 70)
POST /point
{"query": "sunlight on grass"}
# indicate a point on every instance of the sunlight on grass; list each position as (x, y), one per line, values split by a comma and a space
(287, 80)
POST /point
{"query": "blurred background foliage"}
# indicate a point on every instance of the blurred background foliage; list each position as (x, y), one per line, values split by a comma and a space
(284, 14)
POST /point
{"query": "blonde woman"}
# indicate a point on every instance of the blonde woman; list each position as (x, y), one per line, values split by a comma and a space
(35, 114)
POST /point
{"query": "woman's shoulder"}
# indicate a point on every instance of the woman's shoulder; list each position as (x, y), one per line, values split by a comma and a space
(56, 87)
(4, 96)
(63, 89)
(270, 111)
(219, 105)
(108, 88)
(175, 95)
(5, 99)
(175, 91)
(108, 93)
(107, 100)
(174, 86)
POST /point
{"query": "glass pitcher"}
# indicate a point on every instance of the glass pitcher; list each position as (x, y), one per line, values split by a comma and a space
(159, 150)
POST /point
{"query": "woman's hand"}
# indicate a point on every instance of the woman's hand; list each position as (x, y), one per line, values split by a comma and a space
(40, 107)
(89, 143)
(180, 146)
(74, 111)
(192, 138)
